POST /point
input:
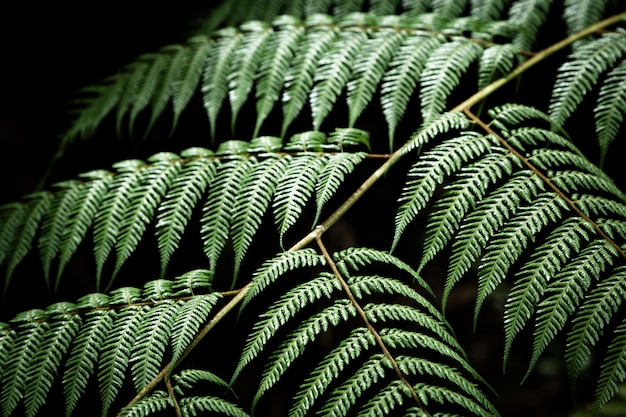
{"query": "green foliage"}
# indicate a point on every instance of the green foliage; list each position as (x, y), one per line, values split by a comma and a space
(507, 195)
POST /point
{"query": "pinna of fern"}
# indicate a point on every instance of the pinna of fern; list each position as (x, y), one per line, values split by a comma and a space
(514, 189)
(255, 177)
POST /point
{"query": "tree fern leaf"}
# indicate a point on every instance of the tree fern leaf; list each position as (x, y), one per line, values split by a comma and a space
(443, 395)
(85, 349)
(54, 223)
(219, 205)
(12, 218)
(333, 73)
(404, 73)
(580, 14)
(613, 369)
(197, 281)
(459, 198)
(279, 53)
(45, 362)
(609, 113)
(442, 73)
(7, 339)
(190, 73)
(483, 223)
(487, 10)
(506, 249)
(156, 401)
(148, 349)
(299, 78)
(310, 141)
(109, 216)
(115, 353)
(337, 167)
(450, 8)
(23, 241)
(181, 199)
(281, 312)
(475, 401)
(137, 73)
(343, 397)
(188, 377)
(591, 318)
(384, 7)
(428, 172)
(163, 89)
(329, 368)
(581, 72)
(143, 203)
(528, 16)
(145, 92)
(193, 406)
(26, 345)
(565, 293)
(295, 188)
(245, 64)
(188, 320)
(215, 79)
(86, 206)
(495, 62)
(252, 202)
(342, 138)
(369, 68)
(274, 268)
(293, 346)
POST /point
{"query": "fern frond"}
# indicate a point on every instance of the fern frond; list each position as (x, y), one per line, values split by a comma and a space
(26, 344)
(528, 16)
(184, 194)
(404, 73)
(580, 14)
(487, 10)
(578, 75)
(280, 51)
(157, 401)
(47, 359)
(334, 72)
(369, 68)
(613, 368)
(495, 62)
(609, 113)
(442, 73)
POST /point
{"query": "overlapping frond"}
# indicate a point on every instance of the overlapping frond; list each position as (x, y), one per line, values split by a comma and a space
(356, 365)
(523, 204)
(236, 186)
(310, 60)
(130, 329)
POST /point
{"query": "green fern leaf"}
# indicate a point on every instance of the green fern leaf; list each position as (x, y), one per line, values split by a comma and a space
(190, 73)
(449, 8)
(154, 402)
(14, 375)
(427, 173)
(191, 315)
(495, 62)
(175, 56)
(506, 248)
(333, 73)
(47, 359)
(215, 79)
(528, 16)
(591, 318)
(146, 91)
(252, 202)
(181, 199)
(385, 7)
(54, 224)
(137, 74)
(299, 78)
(565, 293)
(369, 68)
(219, 205)
(613, 368)
(295, 188)
(23, 241)
(193, 406)
(295, 343)
(581, 72)
(582, 13)
(116, 351)
(337, 167)
(487, 10)
(442, 395)
(245, 64)
(609, 113)
(85, 350)
(7, 339)
(86, 206)
(12, 219)
(400, 80)
(442, 73)
(280, 51)
(143, 203)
